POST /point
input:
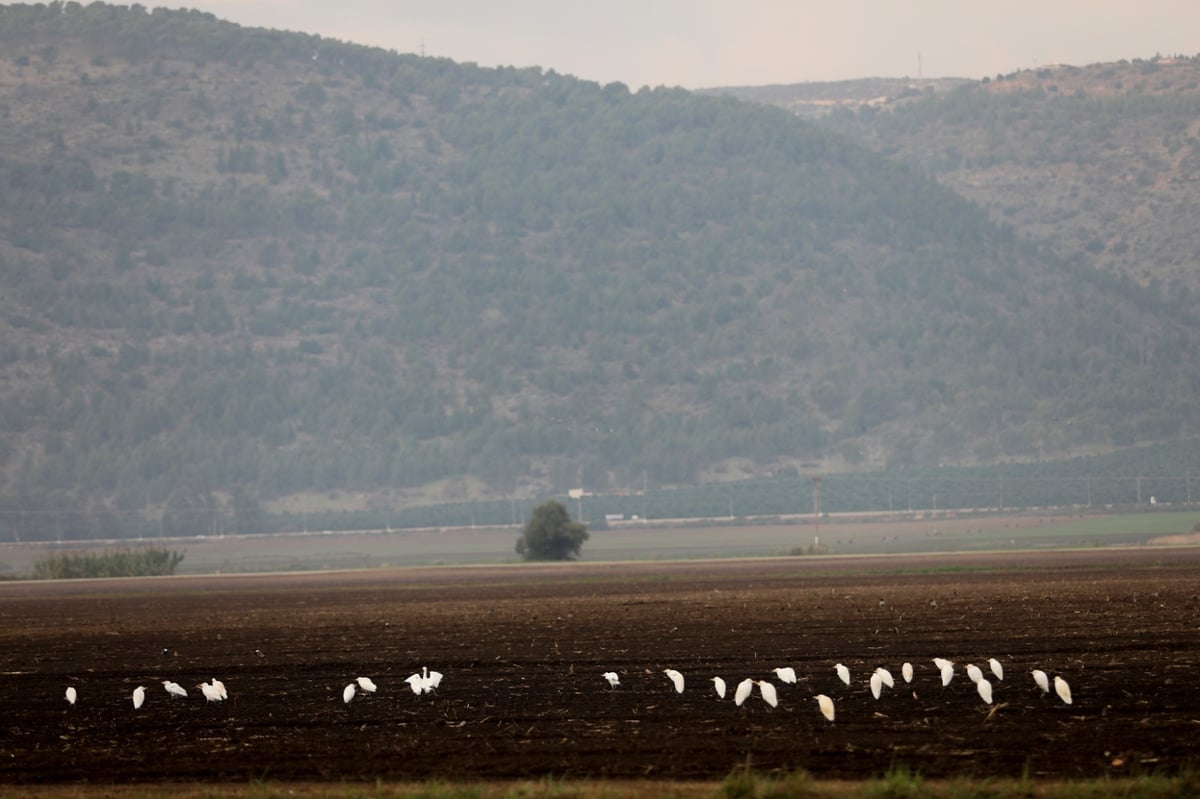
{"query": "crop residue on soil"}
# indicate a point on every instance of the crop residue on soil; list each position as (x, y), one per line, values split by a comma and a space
(523, 651)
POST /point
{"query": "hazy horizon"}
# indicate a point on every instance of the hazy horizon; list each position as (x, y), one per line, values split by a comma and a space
(754, 42)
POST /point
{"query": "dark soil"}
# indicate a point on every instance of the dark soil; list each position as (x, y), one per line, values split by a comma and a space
(523, 648)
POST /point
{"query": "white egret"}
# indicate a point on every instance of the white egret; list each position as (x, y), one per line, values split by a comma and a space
(211, 692)
(767, 691)
(975, 673)
(139, 696)
(613, 679)
(997, 669)
(348, 693)
(985, 690)
(876, 684)
(843, 673)
(826, 706)
(886, 677)
(719, 684)
(676, 678)
(786, 674)
(946, 667)
(367, 684)
(1042, 680)
(743, 691)
(72, 694)
(1062, 689)
(906, 671)
(174, 688)
(425, 682)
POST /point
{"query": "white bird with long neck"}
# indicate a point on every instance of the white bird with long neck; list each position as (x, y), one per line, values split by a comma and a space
(826, 706)
(211, 692)
(719, 685)
(743, 691)
(1042, 680)
(946, 667)
(996, 668)
(786, 674)
(1062, 689)
(974, 673)
(175, 689)
(366, 684)
(611, 678)
(139, 696)
(843, 673)
(767, 691)
(676, 679)
(985, 690)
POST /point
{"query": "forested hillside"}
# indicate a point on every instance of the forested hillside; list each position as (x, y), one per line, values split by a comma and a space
(1101, 161)
(238, 265)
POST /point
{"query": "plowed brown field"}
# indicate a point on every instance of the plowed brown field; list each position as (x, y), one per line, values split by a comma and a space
(523, 647)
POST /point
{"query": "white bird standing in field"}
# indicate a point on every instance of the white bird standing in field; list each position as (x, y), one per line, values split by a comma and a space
(906, 671)
(843, 673)
(139, 696)
(886, 677)
(767, 691)
(676, 678)
(985, 690)
(220, 688)
(348, 693)
(876, 684)
(946, 667)
(425, 682)
(367, 684)
(786, 674)
(743, 691)
(826, 706)
(719, 685)
(997, 669)
(1042, 680)
(174, 688)
(1062, 689)
(211, 692)
(72, 694)
(612, 678)
(974, 673)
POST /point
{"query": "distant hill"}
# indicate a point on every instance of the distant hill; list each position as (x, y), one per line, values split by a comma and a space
(1102, 162)
(817, 99)
(239, 265)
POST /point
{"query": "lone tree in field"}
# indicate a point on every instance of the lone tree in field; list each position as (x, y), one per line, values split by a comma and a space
(551, 535)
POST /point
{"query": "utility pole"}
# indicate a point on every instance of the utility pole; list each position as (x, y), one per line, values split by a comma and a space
(816, 481)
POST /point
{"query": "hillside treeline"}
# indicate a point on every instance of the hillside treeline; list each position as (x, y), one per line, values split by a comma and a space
(239, 265)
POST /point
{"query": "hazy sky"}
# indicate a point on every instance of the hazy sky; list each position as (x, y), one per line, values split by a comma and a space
(697, 43)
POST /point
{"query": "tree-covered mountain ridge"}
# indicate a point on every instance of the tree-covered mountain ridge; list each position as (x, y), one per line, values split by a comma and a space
(1100, 160)
(242, 264)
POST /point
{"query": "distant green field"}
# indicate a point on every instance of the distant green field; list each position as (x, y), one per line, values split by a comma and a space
(492, 545)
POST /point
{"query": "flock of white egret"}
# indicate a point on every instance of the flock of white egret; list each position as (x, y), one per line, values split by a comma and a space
(422, 682)
(879, 679)
(427, 681)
